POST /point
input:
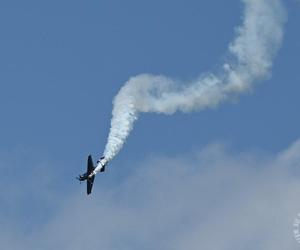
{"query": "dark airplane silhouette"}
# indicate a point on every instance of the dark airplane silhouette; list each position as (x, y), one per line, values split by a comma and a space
(89, 175)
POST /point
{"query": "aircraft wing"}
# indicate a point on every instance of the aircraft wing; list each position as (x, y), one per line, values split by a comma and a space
(89, 184)
(90, 169)
(90, 165)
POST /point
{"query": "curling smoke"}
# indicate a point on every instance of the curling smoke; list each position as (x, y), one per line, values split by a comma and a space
(253, 50)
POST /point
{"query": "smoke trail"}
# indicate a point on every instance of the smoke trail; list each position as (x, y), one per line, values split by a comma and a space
(257, 41)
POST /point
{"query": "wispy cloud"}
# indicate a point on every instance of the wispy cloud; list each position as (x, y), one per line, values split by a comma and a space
(213, 199)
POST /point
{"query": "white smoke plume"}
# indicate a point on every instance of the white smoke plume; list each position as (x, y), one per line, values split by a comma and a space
(253, 49)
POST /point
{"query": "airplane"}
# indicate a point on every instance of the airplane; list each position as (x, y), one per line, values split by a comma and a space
(89, 175)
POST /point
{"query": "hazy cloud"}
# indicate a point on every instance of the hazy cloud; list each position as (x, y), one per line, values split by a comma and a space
(214, 199)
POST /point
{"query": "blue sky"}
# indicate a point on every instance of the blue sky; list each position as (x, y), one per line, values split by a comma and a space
(61, 64)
